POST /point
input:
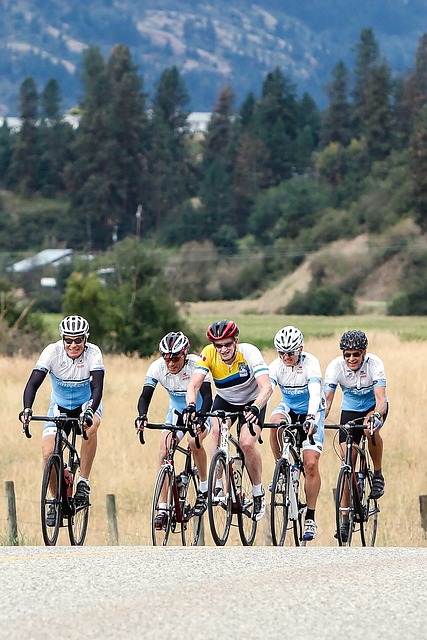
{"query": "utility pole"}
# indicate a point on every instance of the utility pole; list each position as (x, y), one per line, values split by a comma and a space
(138, 216)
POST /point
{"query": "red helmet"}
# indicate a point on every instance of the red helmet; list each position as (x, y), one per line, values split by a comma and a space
(221, 330)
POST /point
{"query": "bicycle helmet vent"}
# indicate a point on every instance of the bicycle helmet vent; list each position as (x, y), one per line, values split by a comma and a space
(174, 343)
(288, 339)
(353, 339)
(221, 330)
(74, 326)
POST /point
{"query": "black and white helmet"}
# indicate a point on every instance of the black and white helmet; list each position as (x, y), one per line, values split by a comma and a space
(288, 339)
(74, 326)
(174, 344)
(354, 339)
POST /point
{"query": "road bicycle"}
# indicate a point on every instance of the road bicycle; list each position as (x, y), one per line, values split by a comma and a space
(229, 484)
(287, 502)
(58, 506)
(175, 494)
(355, 510)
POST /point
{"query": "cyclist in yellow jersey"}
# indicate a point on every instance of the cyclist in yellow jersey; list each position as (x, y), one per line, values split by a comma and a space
(241, 378)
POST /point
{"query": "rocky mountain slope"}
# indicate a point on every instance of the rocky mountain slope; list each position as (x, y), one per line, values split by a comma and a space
(210, 42)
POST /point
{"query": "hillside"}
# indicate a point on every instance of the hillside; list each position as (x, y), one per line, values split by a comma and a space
(210, 43)
(371, 297)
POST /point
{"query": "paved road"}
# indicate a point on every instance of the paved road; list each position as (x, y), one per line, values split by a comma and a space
(212, 593)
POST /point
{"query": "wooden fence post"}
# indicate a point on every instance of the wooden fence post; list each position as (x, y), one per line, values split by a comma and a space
(12, 523)
(113, 531)
(423, 512)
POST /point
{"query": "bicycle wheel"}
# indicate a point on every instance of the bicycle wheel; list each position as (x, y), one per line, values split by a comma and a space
(219, 499)
(190, 527)
(368, 528)
(344, 508)
(163, 494)
(78, 519)
(247, 526)
(279, 503)
(51, 500)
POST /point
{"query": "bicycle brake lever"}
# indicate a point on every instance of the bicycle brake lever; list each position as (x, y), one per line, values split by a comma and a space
(141, 436)
(251, 428)
(26, 429)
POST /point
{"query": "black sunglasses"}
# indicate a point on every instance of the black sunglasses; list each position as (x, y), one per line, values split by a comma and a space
(75, 340)
(353, 354)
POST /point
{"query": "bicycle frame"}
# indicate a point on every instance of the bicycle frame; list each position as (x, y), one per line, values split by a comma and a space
(285, 504)
(353, 501)
(229, 484)
(178, 511)
(225, 437)
(55, 493)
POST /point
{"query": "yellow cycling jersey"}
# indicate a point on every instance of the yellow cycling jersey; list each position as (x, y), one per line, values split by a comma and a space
(236, 383)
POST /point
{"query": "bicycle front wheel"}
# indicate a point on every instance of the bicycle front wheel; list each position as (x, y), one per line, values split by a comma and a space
(219, 499)
(279, 503)
(247, 525)
(163, 507)
(368, 528)
(77, 520)
(51, 500)
(344, 508)
(191, 525)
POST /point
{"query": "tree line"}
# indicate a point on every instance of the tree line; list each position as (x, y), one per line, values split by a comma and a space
(270, 181)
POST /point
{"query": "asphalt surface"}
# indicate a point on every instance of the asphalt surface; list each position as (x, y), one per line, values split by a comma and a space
(210, 592)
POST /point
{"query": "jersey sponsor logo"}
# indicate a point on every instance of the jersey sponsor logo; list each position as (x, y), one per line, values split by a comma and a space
(202, 357)
(186, 376)
(243, 370)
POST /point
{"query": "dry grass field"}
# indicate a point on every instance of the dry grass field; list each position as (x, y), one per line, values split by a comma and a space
(126, 469)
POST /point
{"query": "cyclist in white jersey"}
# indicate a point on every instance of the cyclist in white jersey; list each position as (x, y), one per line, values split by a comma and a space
(299, 377)
(173, 371)
(241, 379)
(76, 372)
(362, 379)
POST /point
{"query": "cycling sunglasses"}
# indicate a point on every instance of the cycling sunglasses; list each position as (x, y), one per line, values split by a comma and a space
(75, 340)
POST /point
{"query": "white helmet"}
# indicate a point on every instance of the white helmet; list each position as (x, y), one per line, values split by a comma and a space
(74, 326)
(288, 339)
(174, 344)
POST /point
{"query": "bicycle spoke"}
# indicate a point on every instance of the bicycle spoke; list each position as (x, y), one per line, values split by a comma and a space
(51, 504)
(78, 520)
(219, 499)
(344, 507)
(370, 521)
(279, 504)
(247, 526)
(163, 506)
(190, 528)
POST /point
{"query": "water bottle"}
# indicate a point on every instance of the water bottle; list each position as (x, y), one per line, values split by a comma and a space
(68, 481)
(295, 473)
(184, 483)
(360, 482)
(237, 473)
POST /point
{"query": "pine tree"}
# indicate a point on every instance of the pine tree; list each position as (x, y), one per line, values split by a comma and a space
(169, 166)
(276, 121)
(372, 97)
(56, 137)
(418, 158)
(105, 177)
(336, 119)
(25, 155)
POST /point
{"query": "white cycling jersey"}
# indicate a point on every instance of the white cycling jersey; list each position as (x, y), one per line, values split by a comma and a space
(357, 386)
(70, 378)
(176, 384)
(300, 385)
